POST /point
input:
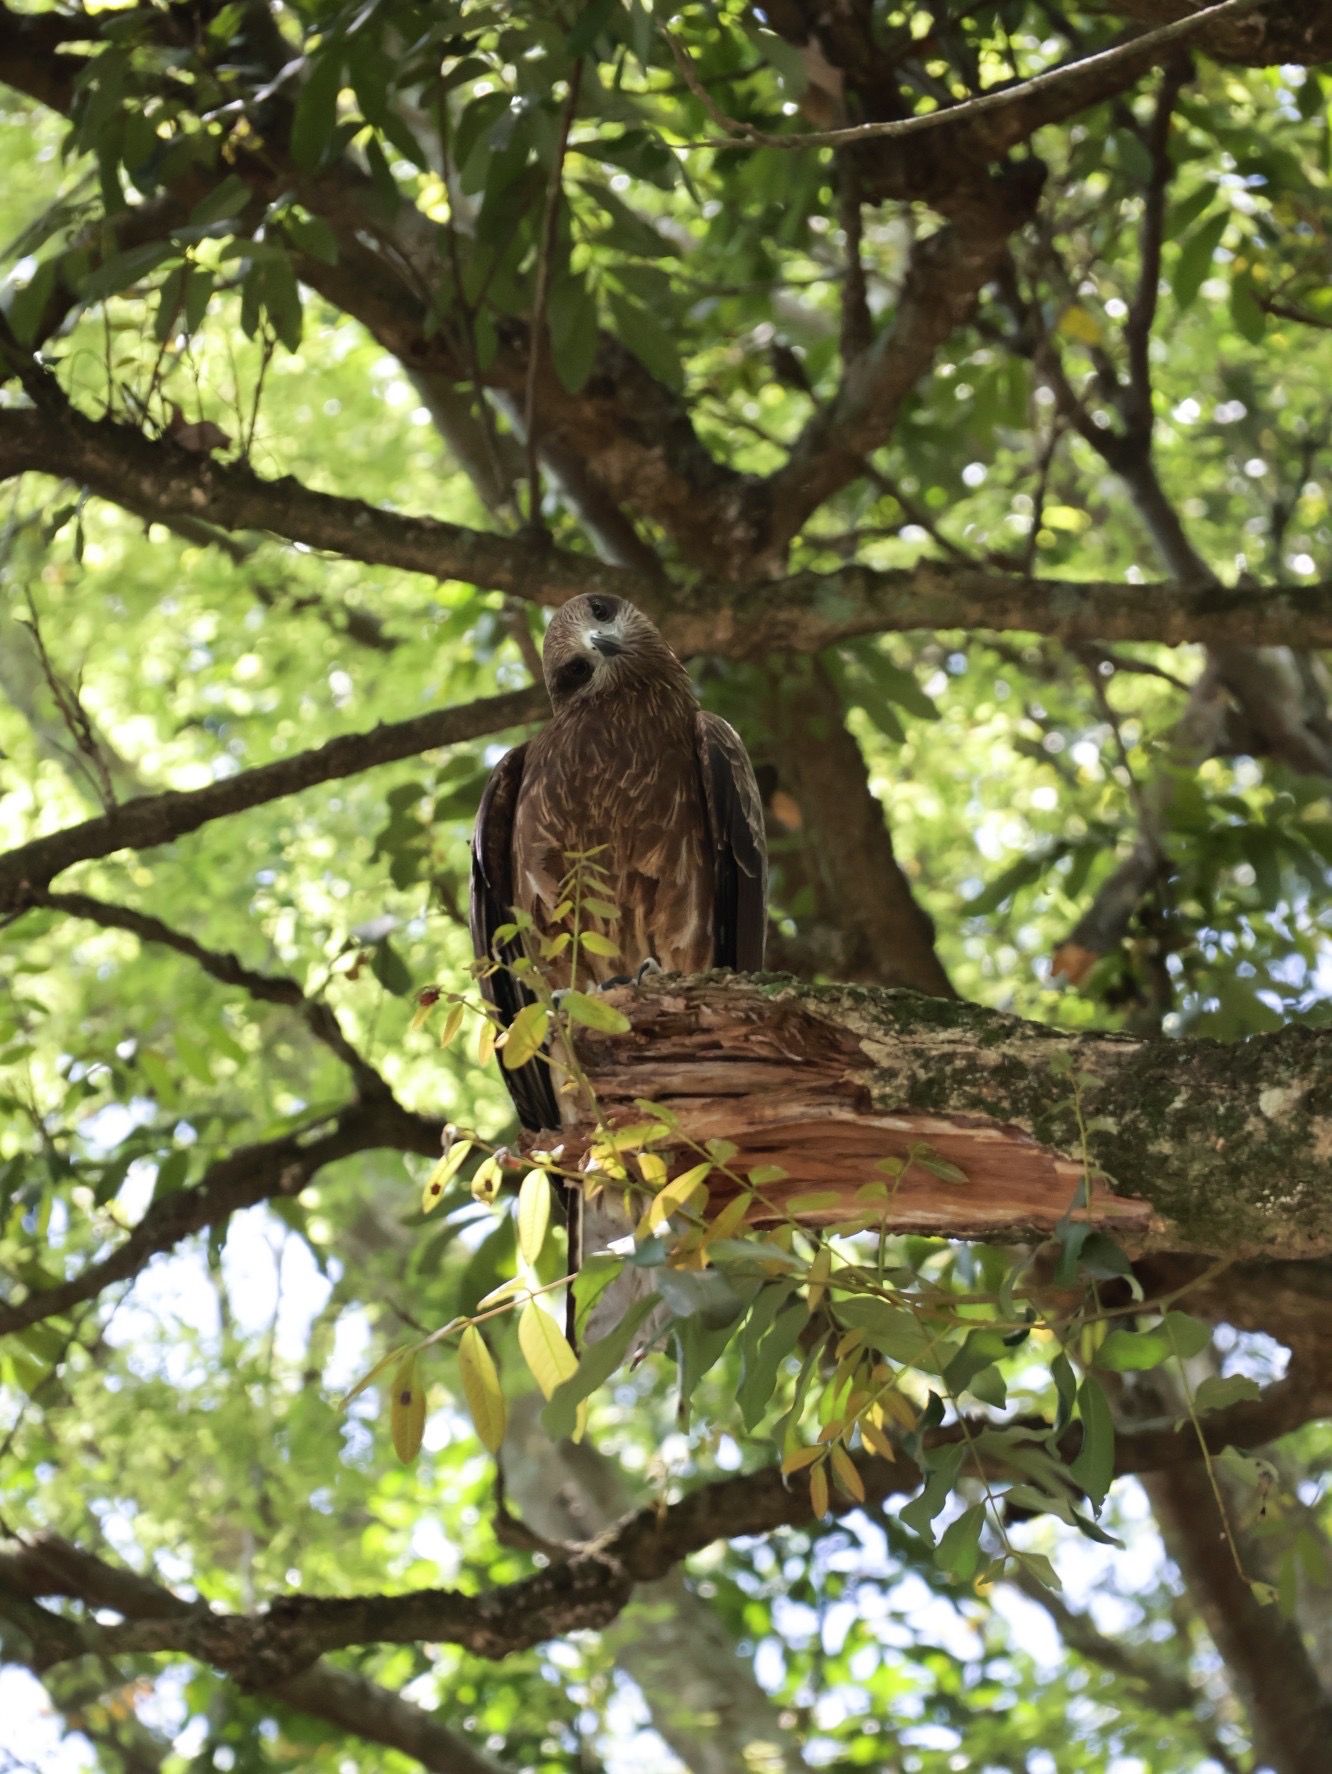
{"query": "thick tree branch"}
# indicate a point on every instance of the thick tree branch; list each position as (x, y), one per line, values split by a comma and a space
(245, 1177)
(1211, 1147)
(586, 1590)
(943, 281)
(802, 613)
(160, 819)
(158, 480)
(1264, 1650)
(49, 1565)
(862, 897)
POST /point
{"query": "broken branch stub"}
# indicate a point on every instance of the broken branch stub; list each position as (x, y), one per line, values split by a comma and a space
(981, 1125)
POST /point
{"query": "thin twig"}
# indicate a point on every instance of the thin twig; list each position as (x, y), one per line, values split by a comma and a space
(1068, 74)
(857, 325)
(550, 222)
(1136, 405)
(78, 721)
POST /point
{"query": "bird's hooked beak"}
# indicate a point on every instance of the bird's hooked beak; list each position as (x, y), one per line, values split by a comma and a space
(608, 645)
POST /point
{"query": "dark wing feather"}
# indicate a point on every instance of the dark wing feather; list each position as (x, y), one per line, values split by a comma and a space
(492, 905)
(740, 852)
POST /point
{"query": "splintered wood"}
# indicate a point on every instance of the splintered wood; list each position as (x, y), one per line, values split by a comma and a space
(791, 1088)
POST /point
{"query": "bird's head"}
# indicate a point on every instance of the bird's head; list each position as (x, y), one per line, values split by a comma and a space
(597, 644)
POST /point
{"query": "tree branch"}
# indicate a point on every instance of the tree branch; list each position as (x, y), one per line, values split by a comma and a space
(586, 1590)
(1139, 52)
(160, 819)
(1188, 1145)
(804, 612)
(270, 988)
(49, 1565)
(243, 1178)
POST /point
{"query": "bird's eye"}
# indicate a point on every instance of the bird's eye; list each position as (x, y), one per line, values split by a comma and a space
(602, 608)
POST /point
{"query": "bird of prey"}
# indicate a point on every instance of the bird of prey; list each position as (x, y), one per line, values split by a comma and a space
(663, 793)
(629, 767)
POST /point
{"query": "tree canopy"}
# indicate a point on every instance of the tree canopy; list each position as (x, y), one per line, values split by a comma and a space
(950, 385)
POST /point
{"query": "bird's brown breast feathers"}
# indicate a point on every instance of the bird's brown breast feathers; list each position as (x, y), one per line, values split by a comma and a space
(622, 775)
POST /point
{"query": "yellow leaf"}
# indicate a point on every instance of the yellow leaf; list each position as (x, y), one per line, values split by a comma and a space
(526, 1033)
(544, 1347)
(876, 1441)
(729, 1220)
(819, 1270)
(407, 1410)
(447, 1168)
(594, 1013)
(818, 1490)
(505, 1291)
(533, 1214)
(844, 1471)
(481, 1387)
(486, 1180)
(800, 1457)
(1076, 323)
(653, 1168)
(635, 1134)
(452, 1023)
(375, 1372)
(675, 1194)
(485, 1041)
(893, 1404)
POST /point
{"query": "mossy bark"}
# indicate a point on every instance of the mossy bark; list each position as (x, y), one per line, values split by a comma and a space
(1177, 1145)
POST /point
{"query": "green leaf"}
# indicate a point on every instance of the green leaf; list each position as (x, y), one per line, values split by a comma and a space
(1197, 252)
(1094, 1466)
(894, 1332)
(316, 112)
(123, 270)
(1188, 1336)
(1216, 1393)
(943, 1469)
(571, 317)
(282, 300)
(1250, 321)
(224, 201)
(768, 1337)
(1130, 1352)
(390, 969)
(599, 1361)
(1022, 873)
(958, 1551)
(594, 1013)
(645, 336)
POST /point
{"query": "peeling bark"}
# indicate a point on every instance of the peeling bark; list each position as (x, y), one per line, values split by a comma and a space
(1188, 1145)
